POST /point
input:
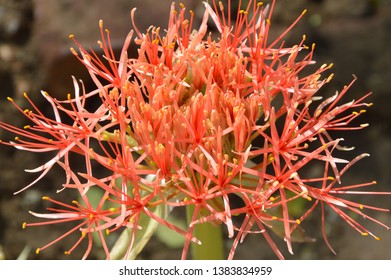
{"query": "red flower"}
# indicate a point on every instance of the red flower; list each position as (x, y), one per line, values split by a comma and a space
(192, 121)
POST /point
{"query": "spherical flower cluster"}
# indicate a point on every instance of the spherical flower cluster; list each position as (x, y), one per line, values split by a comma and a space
(194, 120)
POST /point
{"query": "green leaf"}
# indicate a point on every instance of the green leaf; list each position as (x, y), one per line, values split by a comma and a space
(143, 235)
(169, 237)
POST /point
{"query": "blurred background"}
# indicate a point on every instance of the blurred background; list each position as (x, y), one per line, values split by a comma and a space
(34, 54)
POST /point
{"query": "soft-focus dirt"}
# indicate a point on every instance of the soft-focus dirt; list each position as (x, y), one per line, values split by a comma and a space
(34, 55)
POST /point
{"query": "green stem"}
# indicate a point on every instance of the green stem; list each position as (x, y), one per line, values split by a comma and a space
(211, 237)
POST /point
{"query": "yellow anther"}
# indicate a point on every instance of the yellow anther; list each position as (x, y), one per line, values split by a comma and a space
(274, 218)
(73, 51)
(24, 225)
(331, 178)
(221, 5)
(272, 198)
(69, 96)
(45, 198)
(37, 251)
(309, 198)
(377, 238)
(91, 216)
(75, 202)
(361, 207)
(100, 23)
(26, 127)
(364, 125)
(374, 182)
(16, 138)
(305, 10)
(10, 99)
(182, 5)
(107, 231)
(67, 253)
(298, 221)
(71, 36)
(354, 113)
(259, 4)
(364, 233)
(329, 78)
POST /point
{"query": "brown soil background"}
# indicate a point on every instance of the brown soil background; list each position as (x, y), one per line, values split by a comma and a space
(34, 54)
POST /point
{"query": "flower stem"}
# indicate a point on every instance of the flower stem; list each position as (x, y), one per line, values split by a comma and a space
(211, 237)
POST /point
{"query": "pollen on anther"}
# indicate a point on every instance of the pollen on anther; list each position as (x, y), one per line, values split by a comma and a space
(37, 251)
(107, 231)
(45, 198)
(73, 51)
(298, 221)
(24, 225)
(364, 233)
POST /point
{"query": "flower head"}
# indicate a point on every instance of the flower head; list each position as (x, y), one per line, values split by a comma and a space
(192, 121)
